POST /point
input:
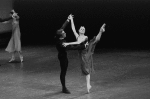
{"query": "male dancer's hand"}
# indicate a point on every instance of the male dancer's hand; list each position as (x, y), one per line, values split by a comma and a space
(70, 16)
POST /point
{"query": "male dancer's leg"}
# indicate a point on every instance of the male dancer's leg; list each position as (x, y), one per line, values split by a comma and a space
(64, 66)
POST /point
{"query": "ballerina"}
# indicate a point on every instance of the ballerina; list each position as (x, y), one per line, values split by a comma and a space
(86, 54)
(80, 37)
(14, 45)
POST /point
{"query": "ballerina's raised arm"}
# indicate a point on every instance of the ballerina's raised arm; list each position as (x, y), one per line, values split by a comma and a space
(79, 37)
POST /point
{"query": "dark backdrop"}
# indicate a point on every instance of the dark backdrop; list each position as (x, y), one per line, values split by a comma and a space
(127, 21)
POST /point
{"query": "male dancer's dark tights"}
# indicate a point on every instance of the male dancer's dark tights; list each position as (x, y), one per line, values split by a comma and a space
(63, 66)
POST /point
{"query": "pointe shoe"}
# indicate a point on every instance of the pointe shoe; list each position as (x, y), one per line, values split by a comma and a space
(21, 59)
(11, 60)
(88, 88)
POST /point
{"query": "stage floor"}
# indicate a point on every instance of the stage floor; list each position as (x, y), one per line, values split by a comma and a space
(118, 75)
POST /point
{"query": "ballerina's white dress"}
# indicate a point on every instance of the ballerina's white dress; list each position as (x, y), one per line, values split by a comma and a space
(14, 43)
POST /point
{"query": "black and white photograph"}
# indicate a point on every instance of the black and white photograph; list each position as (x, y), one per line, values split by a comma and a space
(74, 49)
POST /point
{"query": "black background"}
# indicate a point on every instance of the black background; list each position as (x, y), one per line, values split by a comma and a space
(127, 21)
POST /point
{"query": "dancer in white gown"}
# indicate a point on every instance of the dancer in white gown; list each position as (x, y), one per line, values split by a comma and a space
(14, 45)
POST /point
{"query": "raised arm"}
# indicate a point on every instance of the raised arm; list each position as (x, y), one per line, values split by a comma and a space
(73, 26)
(65, 24)
(102, 29)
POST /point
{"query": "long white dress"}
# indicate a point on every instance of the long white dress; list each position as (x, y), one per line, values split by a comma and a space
(14, 43)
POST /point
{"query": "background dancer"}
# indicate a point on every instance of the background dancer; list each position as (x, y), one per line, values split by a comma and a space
(14, 45)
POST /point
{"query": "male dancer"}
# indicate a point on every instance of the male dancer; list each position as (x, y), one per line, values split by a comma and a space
(62, 54)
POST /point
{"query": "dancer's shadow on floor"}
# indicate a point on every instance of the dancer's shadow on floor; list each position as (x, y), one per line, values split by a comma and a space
(48, 95)
(16, 65)
(16, 61)
(51, 95)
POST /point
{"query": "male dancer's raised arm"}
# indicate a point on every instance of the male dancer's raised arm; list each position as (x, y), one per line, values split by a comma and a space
(61, 30)
(65, 24)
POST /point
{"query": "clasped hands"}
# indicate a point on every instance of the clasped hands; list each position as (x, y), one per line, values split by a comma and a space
(70, 17)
